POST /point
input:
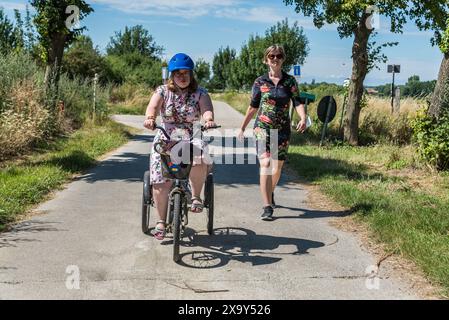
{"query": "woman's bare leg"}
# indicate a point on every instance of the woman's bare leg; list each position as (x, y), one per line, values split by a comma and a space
(197, 178)
(266, 181)
(278, 165)
(160, 194)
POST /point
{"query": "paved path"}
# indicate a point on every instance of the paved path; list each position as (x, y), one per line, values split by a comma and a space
(93, 226)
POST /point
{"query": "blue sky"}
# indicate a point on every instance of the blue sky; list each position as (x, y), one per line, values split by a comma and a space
(200, 27)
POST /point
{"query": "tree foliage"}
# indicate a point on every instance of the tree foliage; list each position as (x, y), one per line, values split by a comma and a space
(353, 18)
(82, 60)
(134, 40)
(241, 71)
(221, 67)
(7, 36)
(202, 72)
(133, 56)
(50, 22)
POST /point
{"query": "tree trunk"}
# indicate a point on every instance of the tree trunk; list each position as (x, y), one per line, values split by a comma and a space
(440, 98)
(54, 62)
(359, 71)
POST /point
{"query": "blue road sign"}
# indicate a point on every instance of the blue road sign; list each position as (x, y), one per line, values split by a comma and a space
(297, 70)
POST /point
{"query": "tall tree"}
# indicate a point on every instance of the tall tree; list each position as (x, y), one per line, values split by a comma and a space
(134, 40)
(434, 15)
(202, 71)
(7, 36)
(220, 67)
(249, 64)
(19, 32)
(30, 31)
(133, 56)
(353, 18)
(55, 22)
(83, 59)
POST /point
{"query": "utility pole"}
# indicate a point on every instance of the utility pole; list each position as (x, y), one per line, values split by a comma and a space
(393, 68)
(95, 97)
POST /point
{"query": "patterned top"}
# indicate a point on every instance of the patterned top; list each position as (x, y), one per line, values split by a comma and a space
(274, 101)
(180, 109)
(178, 113)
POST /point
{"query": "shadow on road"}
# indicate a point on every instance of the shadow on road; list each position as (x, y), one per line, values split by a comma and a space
(127, 166)
(238, 244)
(17, 234)
(314, 214)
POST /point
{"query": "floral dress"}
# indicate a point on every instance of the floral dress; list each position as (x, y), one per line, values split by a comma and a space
(273, 103)
(178, 113)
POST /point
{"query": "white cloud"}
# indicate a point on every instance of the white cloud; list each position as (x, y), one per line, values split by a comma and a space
(12, 5)
(178, 8)
(259, 14)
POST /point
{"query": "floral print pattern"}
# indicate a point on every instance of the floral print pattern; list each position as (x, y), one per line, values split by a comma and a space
(273, 103)
(178, 113)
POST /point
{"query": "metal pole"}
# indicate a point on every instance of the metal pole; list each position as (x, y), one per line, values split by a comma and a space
(345, 98)
(392, 92)
(95, 96)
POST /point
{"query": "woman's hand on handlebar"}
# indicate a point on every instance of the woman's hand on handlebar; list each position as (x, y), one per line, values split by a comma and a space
(150, 124)
(210, 124)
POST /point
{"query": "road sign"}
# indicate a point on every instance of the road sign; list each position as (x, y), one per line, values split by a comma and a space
(394, 68)
(297, 71)
(327, 109)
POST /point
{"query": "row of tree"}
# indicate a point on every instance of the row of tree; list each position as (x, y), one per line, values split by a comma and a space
(354, 21)
(133, 55)
(232, 71)
(414, 88)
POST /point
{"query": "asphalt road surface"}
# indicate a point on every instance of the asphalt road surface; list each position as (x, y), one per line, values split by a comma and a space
(91, 231)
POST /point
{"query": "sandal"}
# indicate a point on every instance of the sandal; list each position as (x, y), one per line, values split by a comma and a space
(157, 232)
(198, 206)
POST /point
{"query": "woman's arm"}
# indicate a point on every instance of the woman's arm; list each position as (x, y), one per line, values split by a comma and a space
(207, 110)
(152, 111)
(249, 115)
(250, 112)
(301, 110)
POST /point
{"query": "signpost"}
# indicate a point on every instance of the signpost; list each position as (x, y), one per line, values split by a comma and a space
(95, 97)
(393, 68)
(297, 72)
(164, 74)
(346, 85)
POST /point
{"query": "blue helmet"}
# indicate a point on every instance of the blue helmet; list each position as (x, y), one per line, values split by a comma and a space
(180, 61)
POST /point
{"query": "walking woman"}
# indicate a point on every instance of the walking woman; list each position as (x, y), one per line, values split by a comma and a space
(271, 96)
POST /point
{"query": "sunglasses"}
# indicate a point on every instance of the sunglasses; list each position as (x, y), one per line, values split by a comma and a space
(279, 56)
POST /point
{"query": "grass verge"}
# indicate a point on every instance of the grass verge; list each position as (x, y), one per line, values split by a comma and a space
(404, 206)
(27, 182)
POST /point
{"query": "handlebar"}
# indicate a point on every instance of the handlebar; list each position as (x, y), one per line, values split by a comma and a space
(203, 128)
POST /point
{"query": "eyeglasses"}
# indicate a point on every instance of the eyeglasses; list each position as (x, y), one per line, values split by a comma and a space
(180, 74)
(279, 56)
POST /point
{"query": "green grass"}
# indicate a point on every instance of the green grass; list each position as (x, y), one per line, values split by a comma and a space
(413, 220)
(125, 109)
(27, 183)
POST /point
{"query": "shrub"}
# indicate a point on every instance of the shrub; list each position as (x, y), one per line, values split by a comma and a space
(24, 121)
(432, 138)
(378, 126)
